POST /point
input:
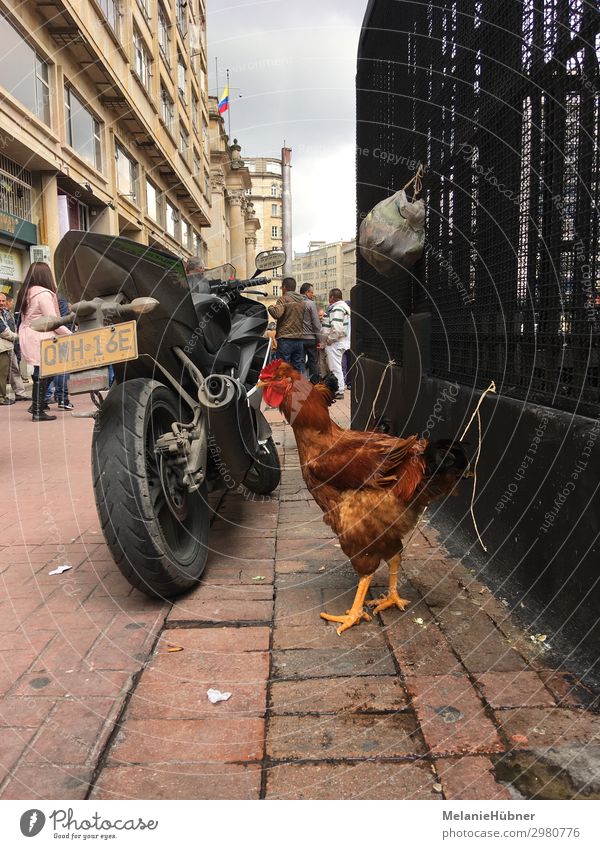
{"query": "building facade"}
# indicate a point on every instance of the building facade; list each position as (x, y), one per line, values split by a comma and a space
(265, 194)
(232, 235)
(326, 266)
(104, 125)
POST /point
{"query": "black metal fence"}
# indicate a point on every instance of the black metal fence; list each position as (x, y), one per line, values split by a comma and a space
(499, 100)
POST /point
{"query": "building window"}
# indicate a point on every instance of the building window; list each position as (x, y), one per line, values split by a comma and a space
(82, 130)
(152, 201)
(275, 290)
(166, 108)
(184, 142)
(197, 249)
(273, 190)
(275, 210)
(172, 220)
(187, 235)
(23, 73)
(164, 35)
(275, 232)
(181, 77)
(182, 16)
(197, 165)
(146, 7)
(205, 139)
(195, 112)
(127, 175)
(141, 60)
(112, 13)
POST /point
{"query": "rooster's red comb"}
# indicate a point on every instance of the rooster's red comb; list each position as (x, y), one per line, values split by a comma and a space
(270, 370)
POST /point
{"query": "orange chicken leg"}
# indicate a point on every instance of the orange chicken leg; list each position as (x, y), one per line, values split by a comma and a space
(356, 613)
(392, 599)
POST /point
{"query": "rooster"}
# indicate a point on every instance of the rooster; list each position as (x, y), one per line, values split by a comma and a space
(372, 487)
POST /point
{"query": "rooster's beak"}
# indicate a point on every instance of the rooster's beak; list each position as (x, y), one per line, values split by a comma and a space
(260, 384)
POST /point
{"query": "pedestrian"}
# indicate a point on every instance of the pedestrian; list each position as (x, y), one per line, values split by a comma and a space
(37, 297)
(348, 359)
(288, 311)
(14, 374)
(9, 364)
(59, 384)
(336, 336)
(8, 338)
(312, 331)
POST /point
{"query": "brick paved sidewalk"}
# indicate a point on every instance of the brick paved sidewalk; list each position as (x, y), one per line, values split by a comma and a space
(105, 690)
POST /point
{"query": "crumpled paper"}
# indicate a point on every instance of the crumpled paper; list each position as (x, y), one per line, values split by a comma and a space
(215, 696)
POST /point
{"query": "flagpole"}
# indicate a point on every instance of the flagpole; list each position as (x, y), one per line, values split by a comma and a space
(229, 105)
(217, 76)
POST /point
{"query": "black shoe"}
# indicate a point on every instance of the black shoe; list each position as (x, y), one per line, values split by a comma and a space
(21, 398)
(7, 402)
(43, 417)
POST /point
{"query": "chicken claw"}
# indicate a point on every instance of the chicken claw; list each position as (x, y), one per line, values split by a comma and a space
(351, 618)
(356, 613)
(392, 599)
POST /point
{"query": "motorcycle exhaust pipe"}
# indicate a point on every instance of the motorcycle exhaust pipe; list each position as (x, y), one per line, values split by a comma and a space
(232, 437)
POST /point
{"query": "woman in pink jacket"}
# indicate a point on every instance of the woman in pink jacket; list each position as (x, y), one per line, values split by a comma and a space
(37, 297)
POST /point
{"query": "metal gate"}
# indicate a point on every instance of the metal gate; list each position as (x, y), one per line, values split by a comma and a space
(499, 101)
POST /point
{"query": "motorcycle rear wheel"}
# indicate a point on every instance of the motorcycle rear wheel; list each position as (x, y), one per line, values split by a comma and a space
(158, 536)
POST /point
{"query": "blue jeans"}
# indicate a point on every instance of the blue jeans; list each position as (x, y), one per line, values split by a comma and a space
(292, 352)
(61, 389)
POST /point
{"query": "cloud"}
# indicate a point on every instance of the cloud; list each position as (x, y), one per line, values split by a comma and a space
(294, 66)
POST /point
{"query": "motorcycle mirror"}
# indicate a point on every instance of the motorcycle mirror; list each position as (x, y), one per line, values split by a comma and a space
(267, 260)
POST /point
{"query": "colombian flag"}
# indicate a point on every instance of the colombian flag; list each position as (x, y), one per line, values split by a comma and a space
(224, 101)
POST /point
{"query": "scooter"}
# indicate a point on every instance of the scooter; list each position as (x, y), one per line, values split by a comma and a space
(182, 417)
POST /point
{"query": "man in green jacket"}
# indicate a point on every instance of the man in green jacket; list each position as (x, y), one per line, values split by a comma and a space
(289, 313)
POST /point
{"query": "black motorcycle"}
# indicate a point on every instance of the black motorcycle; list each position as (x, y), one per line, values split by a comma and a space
(182, 416)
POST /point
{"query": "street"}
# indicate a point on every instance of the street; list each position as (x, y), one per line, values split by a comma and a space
(104, 691)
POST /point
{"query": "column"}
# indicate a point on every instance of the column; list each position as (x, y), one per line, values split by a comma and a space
(237, 233)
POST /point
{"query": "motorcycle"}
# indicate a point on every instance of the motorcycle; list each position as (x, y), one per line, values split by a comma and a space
(182, 417)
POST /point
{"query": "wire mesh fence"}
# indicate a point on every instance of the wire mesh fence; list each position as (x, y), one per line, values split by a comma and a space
(499, 101)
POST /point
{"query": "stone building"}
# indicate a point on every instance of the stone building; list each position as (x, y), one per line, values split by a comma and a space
(104, 125)
(265, 193)
(232, 235)
(327, 266)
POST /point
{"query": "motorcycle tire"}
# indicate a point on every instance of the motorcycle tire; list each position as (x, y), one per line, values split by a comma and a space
(159, 544)
(264, 476)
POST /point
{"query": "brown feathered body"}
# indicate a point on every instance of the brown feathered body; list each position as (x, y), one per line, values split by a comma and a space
(371, 487)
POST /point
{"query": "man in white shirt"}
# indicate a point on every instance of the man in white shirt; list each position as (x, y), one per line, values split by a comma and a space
(336, 335)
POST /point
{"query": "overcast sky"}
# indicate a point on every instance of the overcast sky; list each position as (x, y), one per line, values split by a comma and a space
(294, 66)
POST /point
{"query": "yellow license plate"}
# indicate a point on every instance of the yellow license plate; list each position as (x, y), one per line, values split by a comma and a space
(89, 349)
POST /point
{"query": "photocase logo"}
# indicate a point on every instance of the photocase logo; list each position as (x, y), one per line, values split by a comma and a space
(32, 822)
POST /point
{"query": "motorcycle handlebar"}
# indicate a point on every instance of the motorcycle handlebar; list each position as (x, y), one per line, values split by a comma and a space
(223, 286)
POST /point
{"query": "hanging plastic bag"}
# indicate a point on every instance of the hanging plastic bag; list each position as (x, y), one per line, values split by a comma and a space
(392, 236)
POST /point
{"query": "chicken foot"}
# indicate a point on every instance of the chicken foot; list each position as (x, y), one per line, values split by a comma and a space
(392, 599)
(356, 613)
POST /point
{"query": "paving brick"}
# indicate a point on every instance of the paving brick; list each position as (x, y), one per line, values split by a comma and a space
(75, 733)
(14, 743)
(28, 712)
(322, 634)
(343, 736)
(48, 782)
(469, 778)
(451, 715)
(326, 663)
(542, 728)
(367, 780)
(348, 695)
(418, 643)
(191, 741)
(514, 689)
(227, 604)
(568, 690)
(180, 781)
(481, 646)
(79, 684)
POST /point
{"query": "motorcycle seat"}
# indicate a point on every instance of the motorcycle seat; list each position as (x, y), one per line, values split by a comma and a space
(214, 320)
